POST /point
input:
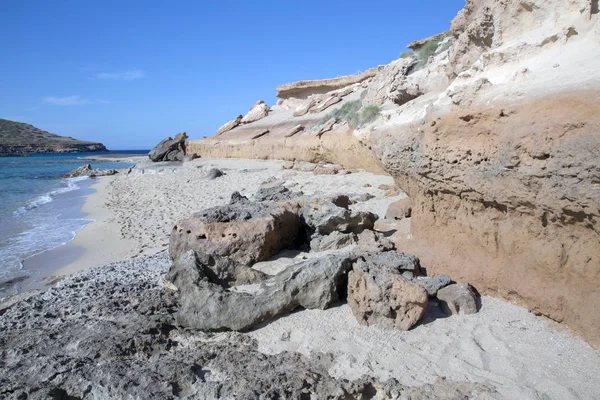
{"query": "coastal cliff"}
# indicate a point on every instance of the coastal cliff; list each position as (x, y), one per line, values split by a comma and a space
(17, 138)
(492, 131)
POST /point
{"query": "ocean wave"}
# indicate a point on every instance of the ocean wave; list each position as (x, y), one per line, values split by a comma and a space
(71, 185)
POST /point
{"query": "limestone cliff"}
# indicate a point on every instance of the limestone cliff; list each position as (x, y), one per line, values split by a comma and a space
(493, 131)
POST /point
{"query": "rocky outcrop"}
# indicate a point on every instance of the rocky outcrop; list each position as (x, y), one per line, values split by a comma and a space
(87, 170)
(387, 84)
(509, 204)
(258, 111)
(379, 295)
(229, 125)
(303, 89)
(170, 149)
(494, 139)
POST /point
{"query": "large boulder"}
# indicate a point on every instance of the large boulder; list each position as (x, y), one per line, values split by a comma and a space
(459, 298)
(258, 111)
(380, 295)
(170, 149)
(208, 306)
(324, 217)
(305, 106)
(243, 230)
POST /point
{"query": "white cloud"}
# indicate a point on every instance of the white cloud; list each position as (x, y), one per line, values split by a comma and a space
(130, 75)
(66, 101)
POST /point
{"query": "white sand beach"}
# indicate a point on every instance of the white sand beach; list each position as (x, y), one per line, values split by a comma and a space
(521, 355)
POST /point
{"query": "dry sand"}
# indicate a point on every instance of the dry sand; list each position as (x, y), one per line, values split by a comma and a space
(523, 356)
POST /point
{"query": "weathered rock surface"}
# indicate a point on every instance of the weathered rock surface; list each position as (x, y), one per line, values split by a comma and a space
(380, 295)
(303, 89)
(207, 306)
(399, 209)
(458, 298)
(333, 241)
(296, 129)
(170, 149)
(327, 126)
(305, 106)
(230, 125)
(87, 170)
(432, 284)
(275, 191)
(244, 231)
(386, 84)
(110, 333)
(324, 217)
(258, 111)
(325, 103)
(406, 264)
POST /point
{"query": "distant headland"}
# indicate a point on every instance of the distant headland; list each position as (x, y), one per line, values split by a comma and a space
(20, 139)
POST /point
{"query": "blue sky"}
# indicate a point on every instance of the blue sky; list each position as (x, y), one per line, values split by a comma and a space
(129, 73)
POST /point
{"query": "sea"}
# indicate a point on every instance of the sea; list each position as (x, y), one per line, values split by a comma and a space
(40, 210)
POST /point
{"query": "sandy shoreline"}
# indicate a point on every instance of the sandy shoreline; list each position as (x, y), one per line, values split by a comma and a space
(513, 353)
(100, 241)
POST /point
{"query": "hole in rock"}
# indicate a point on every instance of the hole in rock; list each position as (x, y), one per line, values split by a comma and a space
(595, 7)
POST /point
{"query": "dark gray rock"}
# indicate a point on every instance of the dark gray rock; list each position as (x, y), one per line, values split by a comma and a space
(324, 217)
(192, 266)
(169, 149)
(213, 174)
(275, 191)
(208, 306)
(406, 264)
(459, 298)
(433, 284)
(87, 170)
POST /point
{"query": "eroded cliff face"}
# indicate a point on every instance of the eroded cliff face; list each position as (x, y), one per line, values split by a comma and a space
(495, 136)
(508, 204)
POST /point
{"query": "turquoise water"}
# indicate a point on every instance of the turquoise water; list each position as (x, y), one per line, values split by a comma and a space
(39, 210)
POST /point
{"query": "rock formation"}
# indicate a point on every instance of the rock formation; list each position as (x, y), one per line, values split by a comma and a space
(493, 136)
(380, 295)
(170, 149)
(302, 89)
(245, 231)
(258, 111)
(87, 170)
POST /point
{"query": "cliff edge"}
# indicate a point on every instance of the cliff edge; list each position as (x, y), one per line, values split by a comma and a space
(491, 129)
